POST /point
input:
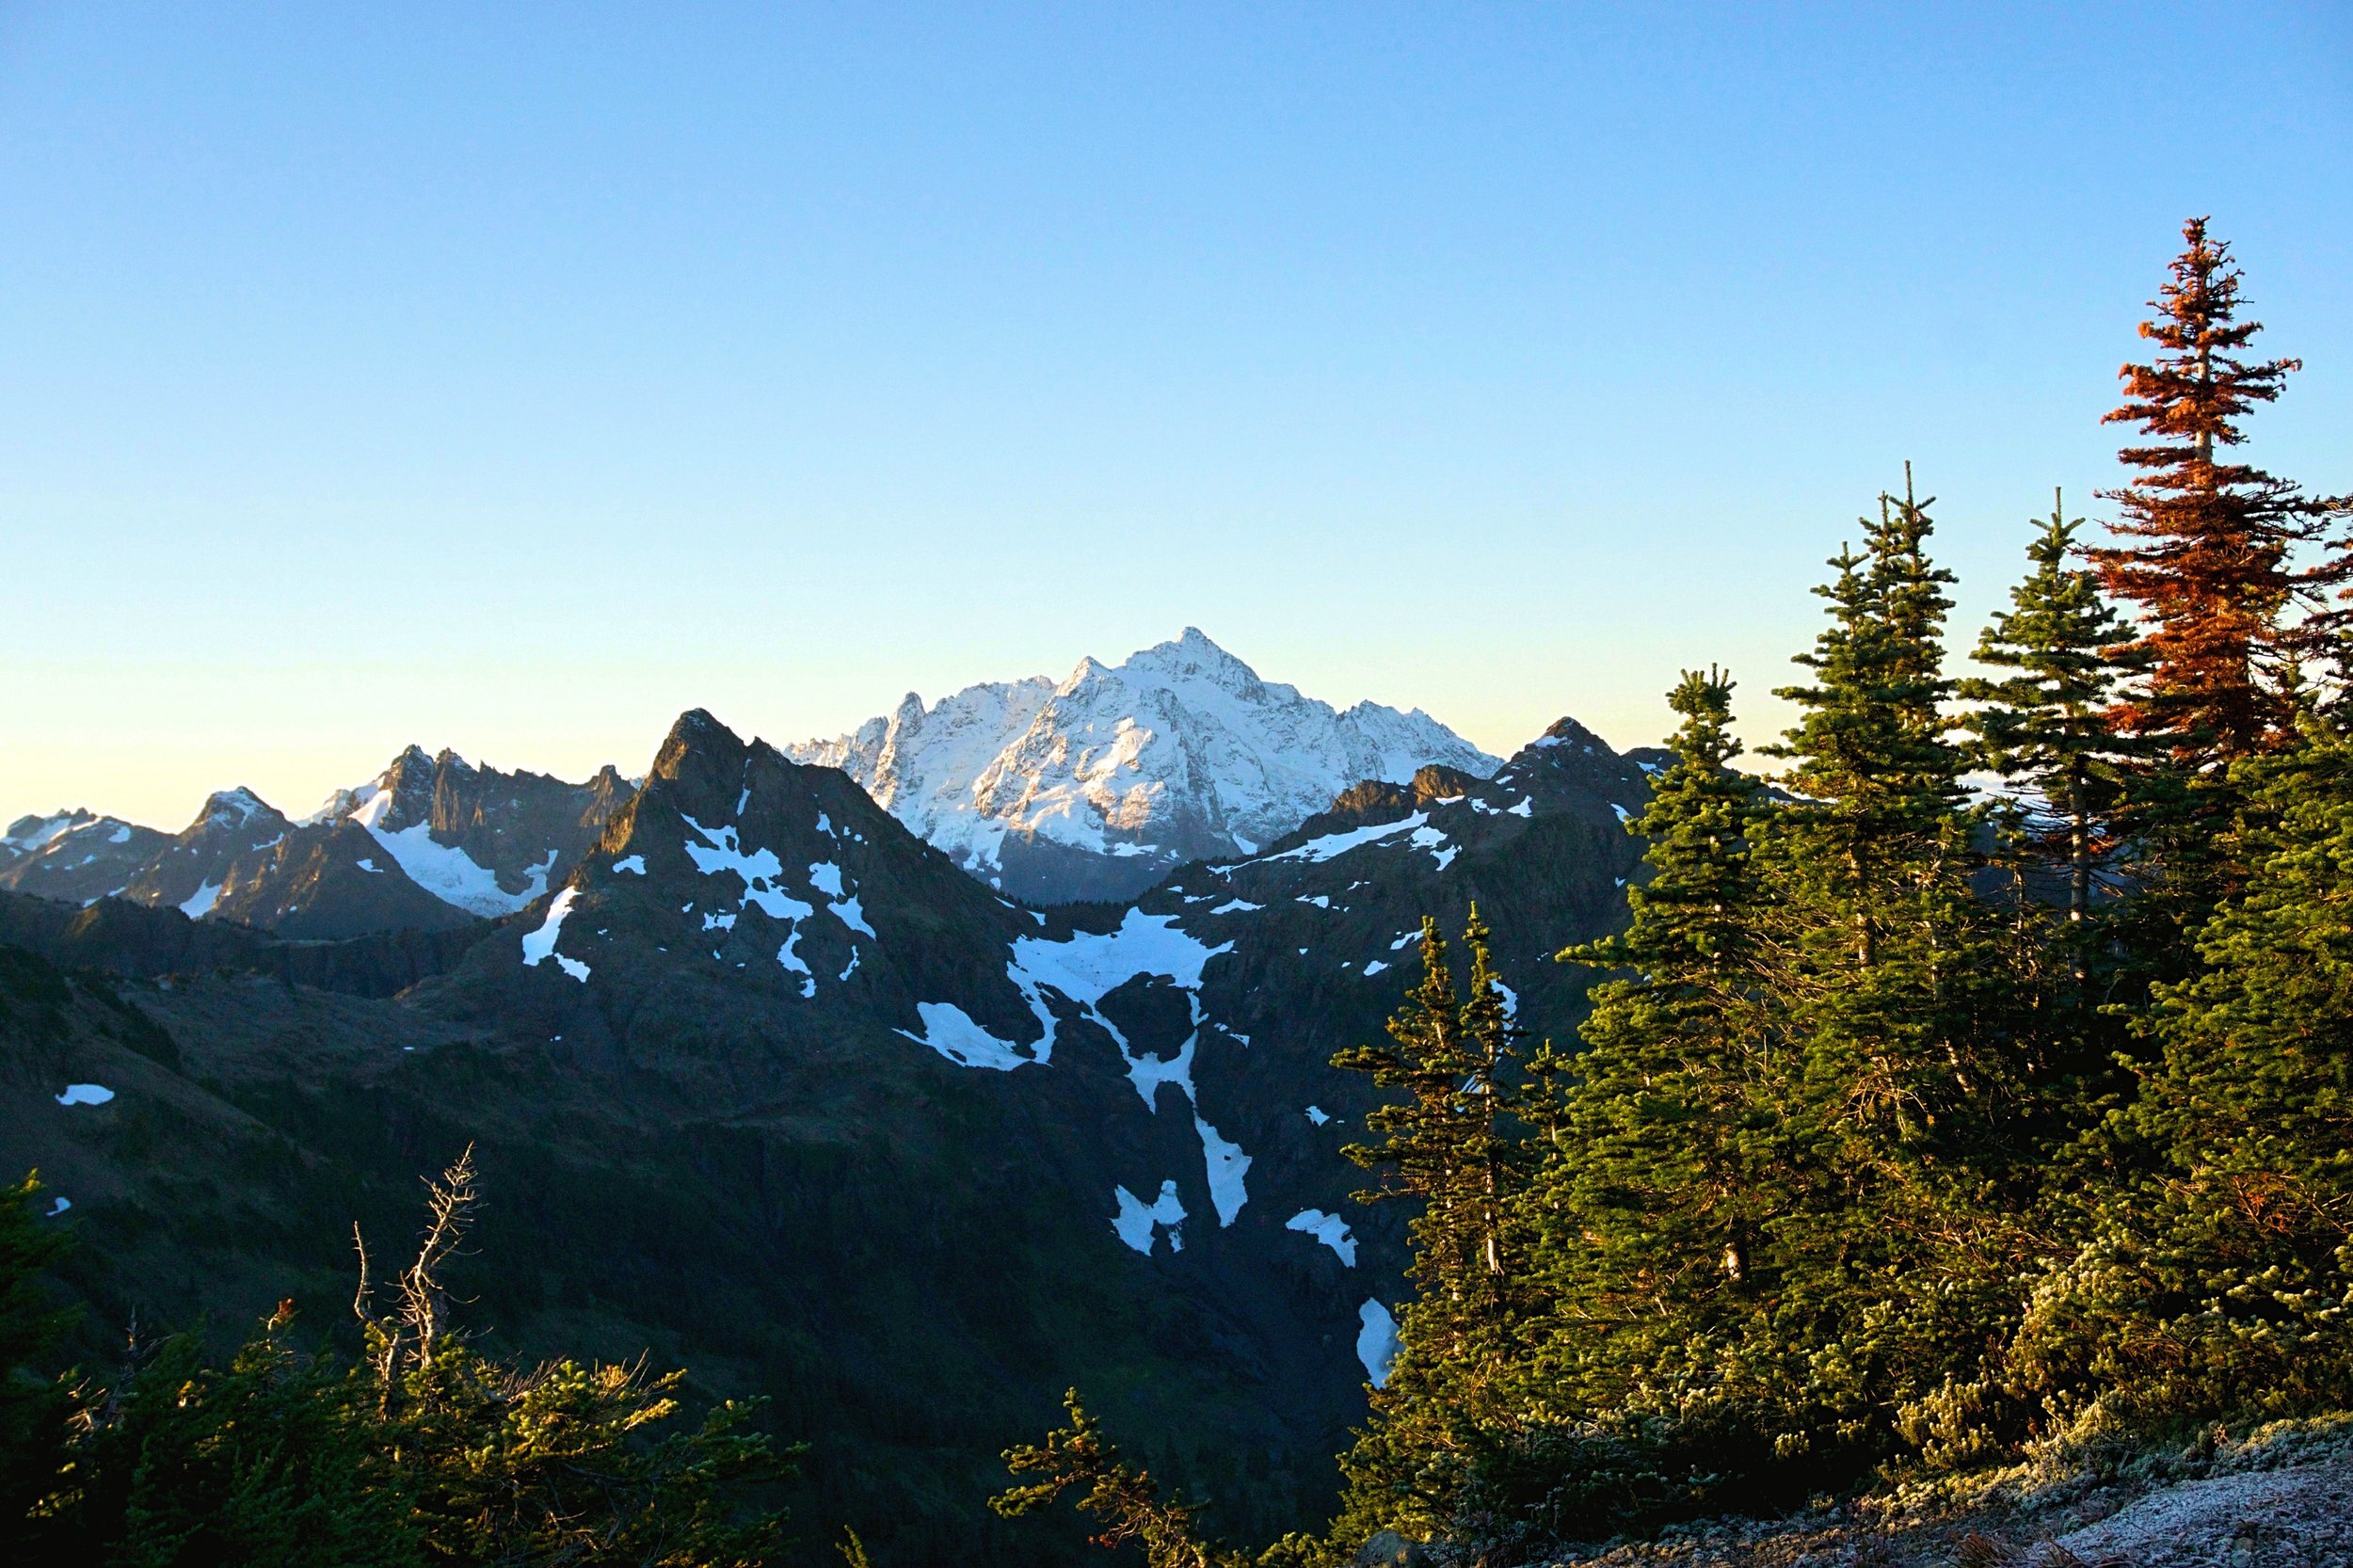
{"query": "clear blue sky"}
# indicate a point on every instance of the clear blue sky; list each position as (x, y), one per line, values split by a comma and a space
(514, 376)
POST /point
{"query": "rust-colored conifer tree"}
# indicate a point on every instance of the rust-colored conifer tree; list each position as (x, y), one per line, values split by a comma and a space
(2207, 547)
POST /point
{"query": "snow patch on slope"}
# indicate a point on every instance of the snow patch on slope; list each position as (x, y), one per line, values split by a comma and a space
(1228, 1166)
(1330, 1229)
(1331, 845)
(1376, 1340)
(759, 870)
(951, 1032)
(539, 946)
(1138, 1223)
(1083, 968)
(29, 834)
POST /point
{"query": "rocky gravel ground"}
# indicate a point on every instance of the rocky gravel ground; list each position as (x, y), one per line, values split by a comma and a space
(2281, 1498)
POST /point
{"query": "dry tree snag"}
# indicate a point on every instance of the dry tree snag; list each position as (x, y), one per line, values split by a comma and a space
(421, 1317)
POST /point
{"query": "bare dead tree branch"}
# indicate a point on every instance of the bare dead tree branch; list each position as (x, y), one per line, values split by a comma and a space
(450, 1204)
(421, 1318)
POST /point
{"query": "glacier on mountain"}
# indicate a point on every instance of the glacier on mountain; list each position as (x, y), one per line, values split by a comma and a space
(445, 870)
(1098, 785)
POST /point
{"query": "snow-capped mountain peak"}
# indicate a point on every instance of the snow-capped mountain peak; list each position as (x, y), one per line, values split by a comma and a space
(73, 856)
(229, 809)
(1098, 786)
(29, 834)
(1193, 658)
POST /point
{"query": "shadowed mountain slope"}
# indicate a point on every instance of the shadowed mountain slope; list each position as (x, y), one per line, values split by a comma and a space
(770, 1085)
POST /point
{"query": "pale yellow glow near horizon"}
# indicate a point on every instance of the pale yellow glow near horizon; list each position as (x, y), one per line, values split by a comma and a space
(149, 744)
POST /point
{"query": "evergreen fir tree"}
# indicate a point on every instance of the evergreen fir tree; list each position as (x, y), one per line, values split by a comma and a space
(423, 1452)
(2043, 727)
(1654, 1168)
(1125, 1502)
(1898, 990)
(2218, 1273)
(1875, 851)
(1653, 1204)
(273, 1458)
(36, 1406)
(1451, 1146)
(1878, 777)
(2208, 550)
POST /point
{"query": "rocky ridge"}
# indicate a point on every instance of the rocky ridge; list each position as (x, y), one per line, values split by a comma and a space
(74, 855)
(432, 844)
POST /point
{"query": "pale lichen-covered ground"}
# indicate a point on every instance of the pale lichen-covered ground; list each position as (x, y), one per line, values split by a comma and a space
(2280, 1497)
(2290, 1517)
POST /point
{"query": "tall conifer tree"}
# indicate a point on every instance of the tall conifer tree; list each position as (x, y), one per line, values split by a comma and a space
(2208, 544)
(2219, 1263)
(2207, 551)
(1878, 776)
(1655, 1201)
(1654, 1167)
(2043, 726)
(1892, 980)
(1877, 838)
(1451, 1146)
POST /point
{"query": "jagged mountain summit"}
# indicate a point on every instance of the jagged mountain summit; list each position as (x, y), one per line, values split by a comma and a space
(480, 840)
(74, 855)
(1098, 787)
(432, 843)
(189, 872)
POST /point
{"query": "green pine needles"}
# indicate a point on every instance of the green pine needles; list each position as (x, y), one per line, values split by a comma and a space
(420, 1451)
(1848, 1181)
(2214, 1274)
(1453, 1144)
(2043, 726)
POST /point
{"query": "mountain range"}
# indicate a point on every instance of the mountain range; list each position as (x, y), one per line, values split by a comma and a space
(431, 843)
(764, 1081)
(1094, 789)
